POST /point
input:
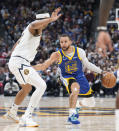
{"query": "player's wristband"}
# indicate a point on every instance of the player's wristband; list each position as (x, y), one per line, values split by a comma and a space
(101, 28)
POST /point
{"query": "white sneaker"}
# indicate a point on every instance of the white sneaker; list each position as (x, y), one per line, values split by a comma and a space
(12, 116)
(27, 121)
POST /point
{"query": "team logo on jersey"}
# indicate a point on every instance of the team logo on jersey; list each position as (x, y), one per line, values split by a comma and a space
(71, 66)
(26, 71)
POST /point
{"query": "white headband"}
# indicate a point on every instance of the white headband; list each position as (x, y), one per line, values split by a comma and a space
(44, 15)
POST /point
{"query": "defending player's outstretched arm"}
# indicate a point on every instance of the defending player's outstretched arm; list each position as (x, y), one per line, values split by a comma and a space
(41, 24)
(53, 58)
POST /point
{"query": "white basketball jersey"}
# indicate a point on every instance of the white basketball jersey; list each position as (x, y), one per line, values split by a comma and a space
(27, 47)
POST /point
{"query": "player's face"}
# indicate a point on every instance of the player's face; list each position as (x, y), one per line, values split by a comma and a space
(65, 43)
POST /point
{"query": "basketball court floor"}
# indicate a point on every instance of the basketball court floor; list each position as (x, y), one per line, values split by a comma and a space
(52, 114)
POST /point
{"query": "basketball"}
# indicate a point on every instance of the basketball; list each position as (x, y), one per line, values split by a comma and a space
(108, 80)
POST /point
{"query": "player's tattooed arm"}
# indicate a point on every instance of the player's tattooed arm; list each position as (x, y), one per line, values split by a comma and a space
(104, 42)
(53, 59)
(105, 7)
(41, 24)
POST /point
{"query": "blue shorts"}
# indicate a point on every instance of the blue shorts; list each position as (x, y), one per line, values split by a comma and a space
(85, 89)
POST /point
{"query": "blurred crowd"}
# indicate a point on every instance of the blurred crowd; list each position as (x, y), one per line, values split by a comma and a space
(76, 22)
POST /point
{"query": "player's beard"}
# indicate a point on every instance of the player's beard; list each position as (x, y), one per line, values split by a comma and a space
(65, 49)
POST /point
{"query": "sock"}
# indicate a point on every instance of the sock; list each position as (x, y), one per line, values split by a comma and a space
(14, 109)
(29, 110)
(117, 119)
(72, 111)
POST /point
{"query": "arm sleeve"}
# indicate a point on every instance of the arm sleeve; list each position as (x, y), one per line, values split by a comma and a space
(88, 64)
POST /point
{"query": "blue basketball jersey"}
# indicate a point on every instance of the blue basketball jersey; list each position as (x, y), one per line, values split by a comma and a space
(70, 65)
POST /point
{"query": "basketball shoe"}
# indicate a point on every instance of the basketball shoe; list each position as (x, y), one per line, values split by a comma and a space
(27, 121)
(11, 115)
(74, 119)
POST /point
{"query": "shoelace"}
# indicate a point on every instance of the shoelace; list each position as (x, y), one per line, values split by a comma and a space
(74, 118)
(30, 117)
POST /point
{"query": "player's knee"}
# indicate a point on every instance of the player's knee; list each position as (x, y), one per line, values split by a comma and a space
(41, 85)
(75, 91)
(26, 88)
(75, 88)
(44, 85)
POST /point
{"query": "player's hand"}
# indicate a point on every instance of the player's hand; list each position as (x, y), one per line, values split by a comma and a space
(103, 73)
(104, 43)
(55, 14)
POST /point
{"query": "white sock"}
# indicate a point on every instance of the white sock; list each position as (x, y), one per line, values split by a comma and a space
(72, 111)
(117, 119)
(14, 108)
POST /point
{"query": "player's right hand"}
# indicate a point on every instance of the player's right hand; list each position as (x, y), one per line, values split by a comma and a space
(104, 43)
(55, 14)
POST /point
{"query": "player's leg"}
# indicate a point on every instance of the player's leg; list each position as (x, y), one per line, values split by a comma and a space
(40, 86)
(12, 113)
(74, 94)
(87, 102)
(25, 90)
(117, 111)
(116, 73)
(73, 115)
(85, 90)
(73, 89)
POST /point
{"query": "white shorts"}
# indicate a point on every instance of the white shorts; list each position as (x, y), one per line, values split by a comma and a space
(22, 70)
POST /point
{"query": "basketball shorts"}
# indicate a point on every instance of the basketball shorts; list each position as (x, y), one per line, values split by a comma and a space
(22, 70)
(85, 89)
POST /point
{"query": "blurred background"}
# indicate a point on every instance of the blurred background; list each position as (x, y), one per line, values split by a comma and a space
(79, 20)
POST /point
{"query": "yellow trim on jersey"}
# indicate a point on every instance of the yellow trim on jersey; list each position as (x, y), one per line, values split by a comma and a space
(60, 58)
(88, 93)
(68, 56)
(67, 80)
(78, 54)
(66, 85)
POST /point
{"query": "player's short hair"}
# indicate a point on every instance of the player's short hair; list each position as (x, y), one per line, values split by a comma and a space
(65, 35)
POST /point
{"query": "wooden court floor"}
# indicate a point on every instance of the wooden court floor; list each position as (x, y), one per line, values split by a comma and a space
(52, 114)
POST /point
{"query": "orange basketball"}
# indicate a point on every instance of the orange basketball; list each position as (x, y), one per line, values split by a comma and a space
(108, 80)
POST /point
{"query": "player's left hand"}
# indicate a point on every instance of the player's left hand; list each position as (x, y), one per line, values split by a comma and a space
(55, 14)
(103, 73)
(103, 43)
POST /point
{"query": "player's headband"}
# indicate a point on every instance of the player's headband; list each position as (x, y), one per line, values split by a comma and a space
(41, 16)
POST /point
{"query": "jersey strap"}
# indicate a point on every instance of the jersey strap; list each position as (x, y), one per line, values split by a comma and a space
(78, 54)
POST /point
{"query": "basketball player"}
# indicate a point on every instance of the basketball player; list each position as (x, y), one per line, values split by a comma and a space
(104, 43)
(23, 53)
(70, 60)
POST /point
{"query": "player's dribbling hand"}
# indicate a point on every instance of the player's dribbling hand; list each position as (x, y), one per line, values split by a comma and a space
(55, 14)
(103, 73)
(103, 43)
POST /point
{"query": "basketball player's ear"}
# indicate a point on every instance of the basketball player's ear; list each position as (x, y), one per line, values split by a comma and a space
(70, 41)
